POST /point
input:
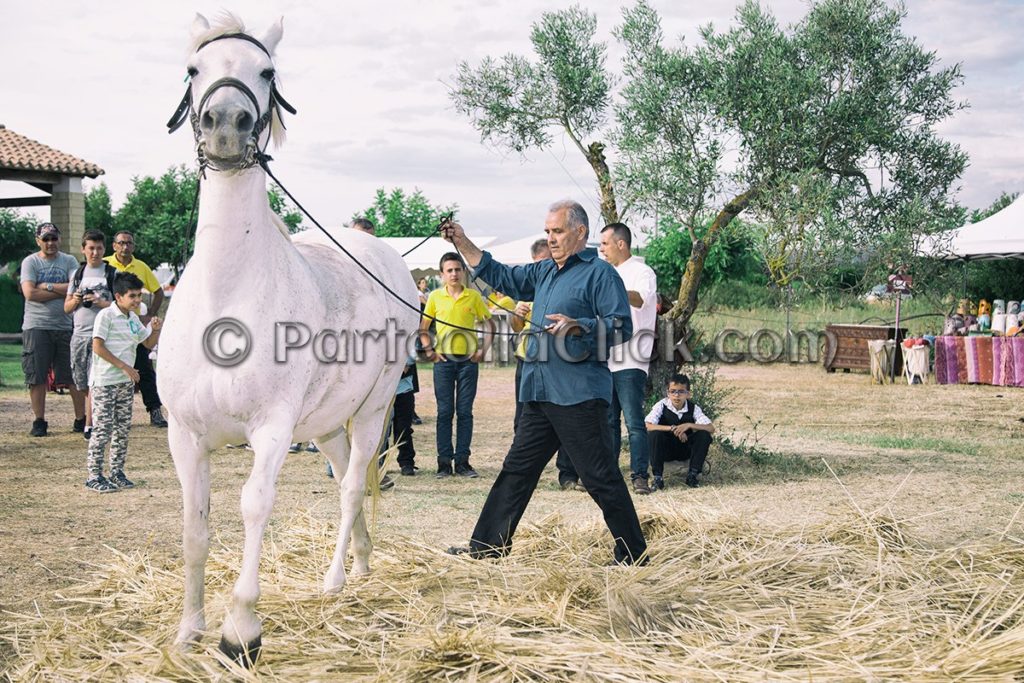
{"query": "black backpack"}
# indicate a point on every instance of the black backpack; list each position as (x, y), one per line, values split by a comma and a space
(109, 272)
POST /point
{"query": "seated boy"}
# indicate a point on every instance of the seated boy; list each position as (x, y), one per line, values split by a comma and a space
(678, 429)
(116, 334)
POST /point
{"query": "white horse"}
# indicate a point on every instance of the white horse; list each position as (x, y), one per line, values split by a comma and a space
(247, 268)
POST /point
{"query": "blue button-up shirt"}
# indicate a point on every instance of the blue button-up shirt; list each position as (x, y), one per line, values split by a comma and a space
(572, 369)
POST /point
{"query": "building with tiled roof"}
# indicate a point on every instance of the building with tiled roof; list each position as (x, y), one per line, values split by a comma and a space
(57, 173)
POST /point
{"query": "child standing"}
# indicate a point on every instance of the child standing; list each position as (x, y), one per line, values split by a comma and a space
(116, 333)
(677, 429)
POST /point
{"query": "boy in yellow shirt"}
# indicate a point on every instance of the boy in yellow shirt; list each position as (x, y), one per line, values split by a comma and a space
(456, 356)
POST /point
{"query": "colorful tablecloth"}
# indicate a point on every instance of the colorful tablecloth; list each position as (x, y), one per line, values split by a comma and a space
(980, 360)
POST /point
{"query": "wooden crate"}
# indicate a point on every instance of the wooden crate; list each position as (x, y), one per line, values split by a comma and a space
(846, 346)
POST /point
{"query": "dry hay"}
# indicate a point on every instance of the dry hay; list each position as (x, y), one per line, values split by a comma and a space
(723, 599)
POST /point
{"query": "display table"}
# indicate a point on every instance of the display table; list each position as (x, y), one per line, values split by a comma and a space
(846, 346)
(980, 360)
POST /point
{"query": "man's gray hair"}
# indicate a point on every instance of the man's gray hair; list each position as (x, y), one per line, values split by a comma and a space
(576, 214)
(538, 246)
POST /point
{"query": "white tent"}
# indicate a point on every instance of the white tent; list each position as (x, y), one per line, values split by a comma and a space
(425, 259)
(1000, 236)
(516, 252)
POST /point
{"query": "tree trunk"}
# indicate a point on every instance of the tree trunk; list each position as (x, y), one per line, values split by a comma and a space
(609, 209)
(686, 303)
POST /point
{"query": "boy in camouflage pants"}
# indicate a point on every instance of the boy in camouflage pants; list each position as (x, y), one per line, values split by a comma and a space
(117, 332)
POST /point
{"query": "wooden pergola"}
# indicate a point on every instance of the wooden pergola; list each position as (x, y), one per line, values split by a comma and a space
(56, 173)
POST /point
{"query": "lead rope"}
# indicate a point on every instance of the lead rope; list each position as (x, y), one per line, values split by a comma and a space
(263, 160)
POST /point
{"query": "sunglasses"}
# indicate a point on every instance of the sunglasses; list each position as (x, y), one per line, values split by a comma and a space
(678, 392)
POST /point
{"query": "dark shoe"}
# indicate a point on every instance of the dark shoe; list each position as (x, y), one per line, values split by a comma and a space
(311, 448)
(386, 483)
(568, 484)
(295, 448)
(691, 480)
(443, 474)
(466, 471)
(87, 433)
(39, 426)
(408, 471)
(640, 486)
(156, 418)
(120, 481)
(658, 485)
(100, 485)
(79, 425)
(459, 550)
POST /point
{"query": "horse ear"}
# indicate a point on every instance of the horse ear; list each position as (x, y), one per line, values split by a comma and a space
(199, 25)
(273, 35)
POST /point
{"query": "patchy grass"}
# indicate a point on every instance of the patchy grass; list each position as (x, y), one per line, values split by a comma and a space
(910, 443)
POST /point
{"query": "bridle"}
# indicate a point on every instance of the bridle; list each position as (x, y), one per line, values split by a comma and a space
(185, 109)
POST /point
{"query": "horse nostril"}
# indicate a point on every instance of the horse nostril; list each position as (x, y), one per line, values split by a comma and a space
(208, 121)
(243, 122)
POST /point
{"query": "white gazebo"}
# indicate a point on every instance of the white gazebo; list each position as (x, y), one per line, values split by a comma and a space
(1000, 236)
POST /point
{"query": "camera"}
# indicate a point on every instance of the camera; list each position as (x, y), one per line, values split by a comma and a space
(86, 291)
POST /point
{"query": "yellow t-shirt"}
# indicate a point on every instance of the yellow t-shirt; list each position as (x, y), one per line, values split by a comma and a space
(524, 335)
(503, 305)
(465, 311)
(139, 269)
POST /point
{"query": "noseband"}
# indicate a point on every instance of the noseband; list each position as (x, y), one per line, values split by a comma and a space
(185, 109)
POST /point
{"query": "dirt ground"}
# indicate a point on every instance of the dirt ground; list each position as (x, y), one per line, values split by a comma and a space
(946, 458)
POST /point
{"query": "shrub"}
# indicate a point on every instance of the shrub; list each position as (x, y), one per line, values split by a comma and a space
(12, 304)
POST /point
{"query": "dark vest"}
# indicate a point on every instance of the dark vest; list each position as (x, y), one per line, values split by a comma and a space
(668, 417)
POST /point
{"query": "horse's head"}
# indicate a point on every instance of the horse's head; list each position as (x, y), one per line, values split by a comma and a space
(232, 99)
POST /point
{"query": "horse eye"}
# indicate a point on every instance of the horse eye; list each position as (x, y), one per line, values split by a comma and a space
(268, 74)
(193, 72)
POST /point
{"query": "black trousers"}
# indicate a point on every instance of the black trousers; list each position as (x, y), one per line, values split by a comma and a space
(664, 446)
(581, 430)
(147, 378)
(401, 428)
(566, 471)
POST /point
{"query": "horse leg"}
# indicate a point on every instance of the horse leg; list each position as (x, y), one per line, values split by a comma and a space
(364, 439)
(241, 633)
(337, 449)
(192, 463)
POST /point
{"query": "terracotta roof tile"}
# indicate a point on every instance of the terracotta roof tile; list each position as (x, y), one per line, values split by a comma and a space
(19, 153)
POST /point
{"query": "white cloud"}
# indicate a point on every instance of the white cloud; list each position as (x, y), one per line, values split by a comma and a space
(99, 81)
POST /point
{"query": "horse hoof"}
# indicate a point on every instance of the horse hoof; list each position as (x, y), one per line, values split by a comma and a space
(244, 655)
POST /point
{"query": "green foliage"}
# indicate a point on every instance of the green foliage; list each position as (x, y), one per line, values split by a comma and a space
(515, 103)
(17, 237)
(731, 259)
(12, 304)
(98, 214)
(396, 214)
(156, 211)
(289, 213)
(833, 122)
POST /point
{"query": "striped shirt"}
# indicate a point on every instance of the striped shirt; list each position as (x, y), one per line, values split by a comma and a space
(121, 333)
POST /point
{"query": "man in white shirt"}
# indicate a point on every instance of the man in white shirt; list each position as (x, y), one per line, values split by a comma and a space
(630, 360)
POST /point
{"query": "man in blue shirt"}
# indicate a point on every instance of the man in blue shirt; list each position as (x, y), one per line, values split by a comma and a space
(580, 310)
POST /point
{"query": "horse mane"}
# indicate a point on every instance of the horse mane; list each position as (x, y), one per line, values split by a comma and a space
(228, 22)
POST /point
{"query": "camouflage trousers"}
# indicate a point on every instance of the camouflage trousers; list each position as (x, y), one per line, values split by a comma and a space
(111, 420)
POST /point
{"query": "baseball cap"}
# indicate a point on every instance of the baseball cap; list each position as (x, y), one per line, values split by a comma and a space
(47, 229)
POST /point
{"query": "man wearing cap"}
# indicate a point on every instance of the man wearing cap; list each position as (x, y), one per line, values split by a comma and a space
(46, 328)
(124, 260)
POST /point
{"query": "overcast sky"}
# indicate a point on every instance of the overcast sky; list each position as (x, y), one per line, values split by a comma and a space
(370, 82)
